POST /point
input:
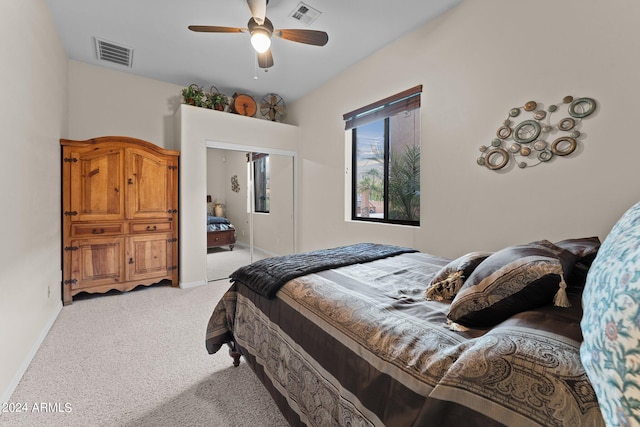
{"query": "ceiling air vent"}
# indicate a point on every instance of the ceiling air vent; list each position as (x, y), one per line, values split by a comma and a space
(305, 14)
(111, 52)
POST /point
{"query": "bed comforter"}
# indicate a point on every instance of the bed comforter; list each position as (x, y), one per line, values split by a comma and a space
(359, 345)
(218, 223)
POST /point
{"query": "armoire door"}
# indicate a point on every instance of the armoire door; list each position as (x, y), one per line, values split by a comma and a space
(150, 185)
(96, 262)
(96, 183)
(148, 256)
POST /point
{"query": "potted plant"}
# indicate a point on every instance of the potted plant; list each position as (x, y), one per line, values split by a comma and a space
(216, 100)
(193, 95)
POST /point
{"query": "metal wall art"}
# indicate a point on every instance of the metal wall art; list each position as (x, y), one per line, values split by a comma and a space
(235, 185)
(527, 142)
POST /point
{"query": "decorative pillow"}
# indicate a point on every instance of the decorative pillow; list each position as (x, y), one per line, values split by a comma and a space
(512, 280)
(610, 324)
(584, 248)
(446, 283)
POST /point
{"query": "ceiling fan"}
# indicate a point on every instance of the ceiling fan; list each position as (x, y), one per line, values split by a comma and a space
(261, 29)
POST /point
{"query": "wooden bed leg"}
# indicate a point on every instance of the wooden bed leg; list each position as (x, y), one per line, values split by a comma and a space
(234, 353)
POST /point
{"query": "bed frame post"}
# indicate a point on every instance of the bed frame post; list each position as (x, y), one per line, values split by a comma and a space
(234, 353)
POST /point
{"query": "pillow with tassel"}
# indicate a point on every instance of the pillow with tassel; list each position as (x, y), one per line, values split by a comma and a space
(514, 279)
(446, 283)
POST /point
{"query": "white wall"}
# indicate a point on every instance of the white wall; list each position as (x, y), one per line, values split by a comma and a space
(216, 173)
(476, 62)
(195, 128)
(105, 101)
(33, 80)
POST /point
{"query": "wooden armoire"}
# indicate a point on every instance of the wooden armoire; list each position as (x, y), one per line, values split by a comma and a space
(119, 215)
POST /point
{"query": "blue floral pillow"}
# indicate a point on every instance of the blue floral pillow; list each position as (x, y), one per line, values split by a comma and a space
(610, 325)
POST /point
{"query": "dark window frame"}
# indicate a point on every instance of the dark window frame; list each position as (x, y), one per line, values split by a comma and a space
(260, 193)
(381, 110)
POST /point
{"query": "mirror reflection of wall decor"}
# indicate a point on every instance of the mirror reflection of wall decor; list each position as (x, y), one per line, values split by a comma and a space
(533, 140)
(235, 186)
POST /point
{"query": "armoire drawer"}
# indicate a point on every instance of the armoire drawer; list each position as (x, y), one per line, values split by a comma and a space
(97, 229)
(151, 226)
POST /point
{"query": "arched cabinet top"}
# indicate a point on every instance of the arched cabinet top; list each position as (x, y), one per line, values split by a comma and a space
(119, 141)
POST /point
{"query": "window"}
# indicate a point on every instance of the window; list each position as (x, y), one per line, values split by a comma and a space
(261, 181)
(385, 155)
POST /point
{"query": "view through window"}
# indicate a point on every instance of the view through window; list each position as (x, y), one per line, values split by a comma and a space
(386, 160)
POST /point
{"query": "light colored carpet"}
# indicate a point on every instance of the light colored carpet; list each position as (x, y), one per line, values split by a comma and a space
(138, 359)
(221, 262)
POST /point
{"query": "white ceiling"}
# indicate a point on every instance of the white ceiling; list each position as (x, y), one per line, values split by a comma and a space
(164, 49)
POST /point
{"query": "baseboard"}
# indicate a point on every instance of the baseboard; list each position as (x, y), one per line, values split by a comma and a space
(188, 285)
(34, 349)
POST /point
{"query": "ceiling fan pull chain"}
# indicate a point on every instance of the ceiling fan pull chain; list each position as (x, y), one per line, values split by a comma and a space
(255, 66)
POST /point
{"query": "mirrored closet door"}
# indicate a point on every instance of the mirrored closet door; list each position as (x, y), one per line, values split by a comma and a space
(250, 207)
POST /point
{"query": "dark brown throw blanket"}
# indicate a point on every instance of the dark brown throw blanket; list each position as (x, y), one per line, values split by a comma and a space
(268, 275)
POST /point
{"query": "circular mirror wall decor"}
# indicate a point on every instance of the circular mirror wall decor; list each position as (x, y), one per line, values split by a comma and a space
(496, 158)
(526, 131)
(582, 107)
(539, 145)
(518, 131)
(540, 115)
(545, 155)
(566, 124)
(563, 146)
(504, 132)
(525, 151)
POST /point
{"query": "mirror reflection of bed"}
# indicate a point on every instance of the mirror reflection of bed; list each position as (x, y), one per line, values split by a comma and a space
(249, 208)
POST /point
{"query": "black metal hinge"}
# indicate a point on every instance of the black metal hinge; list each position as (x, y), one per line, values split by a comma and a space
(172, 211)
(172, 240)
(172, 168)
(70, 159)
(70, 282)
(173, 267)
(70, 213)
(71, 248)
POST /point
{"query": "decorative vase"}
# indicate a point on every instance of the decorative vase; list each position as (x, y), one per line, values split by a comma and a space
(217, 210)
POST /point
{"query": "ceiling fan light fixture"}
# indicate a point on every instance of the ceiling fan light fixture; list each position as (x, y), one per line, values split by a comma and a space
(260, 40)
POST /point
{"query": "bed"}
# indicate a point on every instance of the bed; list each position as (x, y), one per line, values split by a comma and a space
(373, 335)
(220, 232)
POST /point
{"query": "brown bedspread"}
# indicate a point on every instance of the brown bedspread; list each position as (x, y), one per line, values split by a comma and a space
(359, 345)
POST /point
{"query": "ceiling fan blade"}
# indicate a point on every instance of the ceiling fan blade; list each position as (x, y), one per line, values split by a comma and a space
(313, 37)
(258, 10)
(265, 60)
(216, 29)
